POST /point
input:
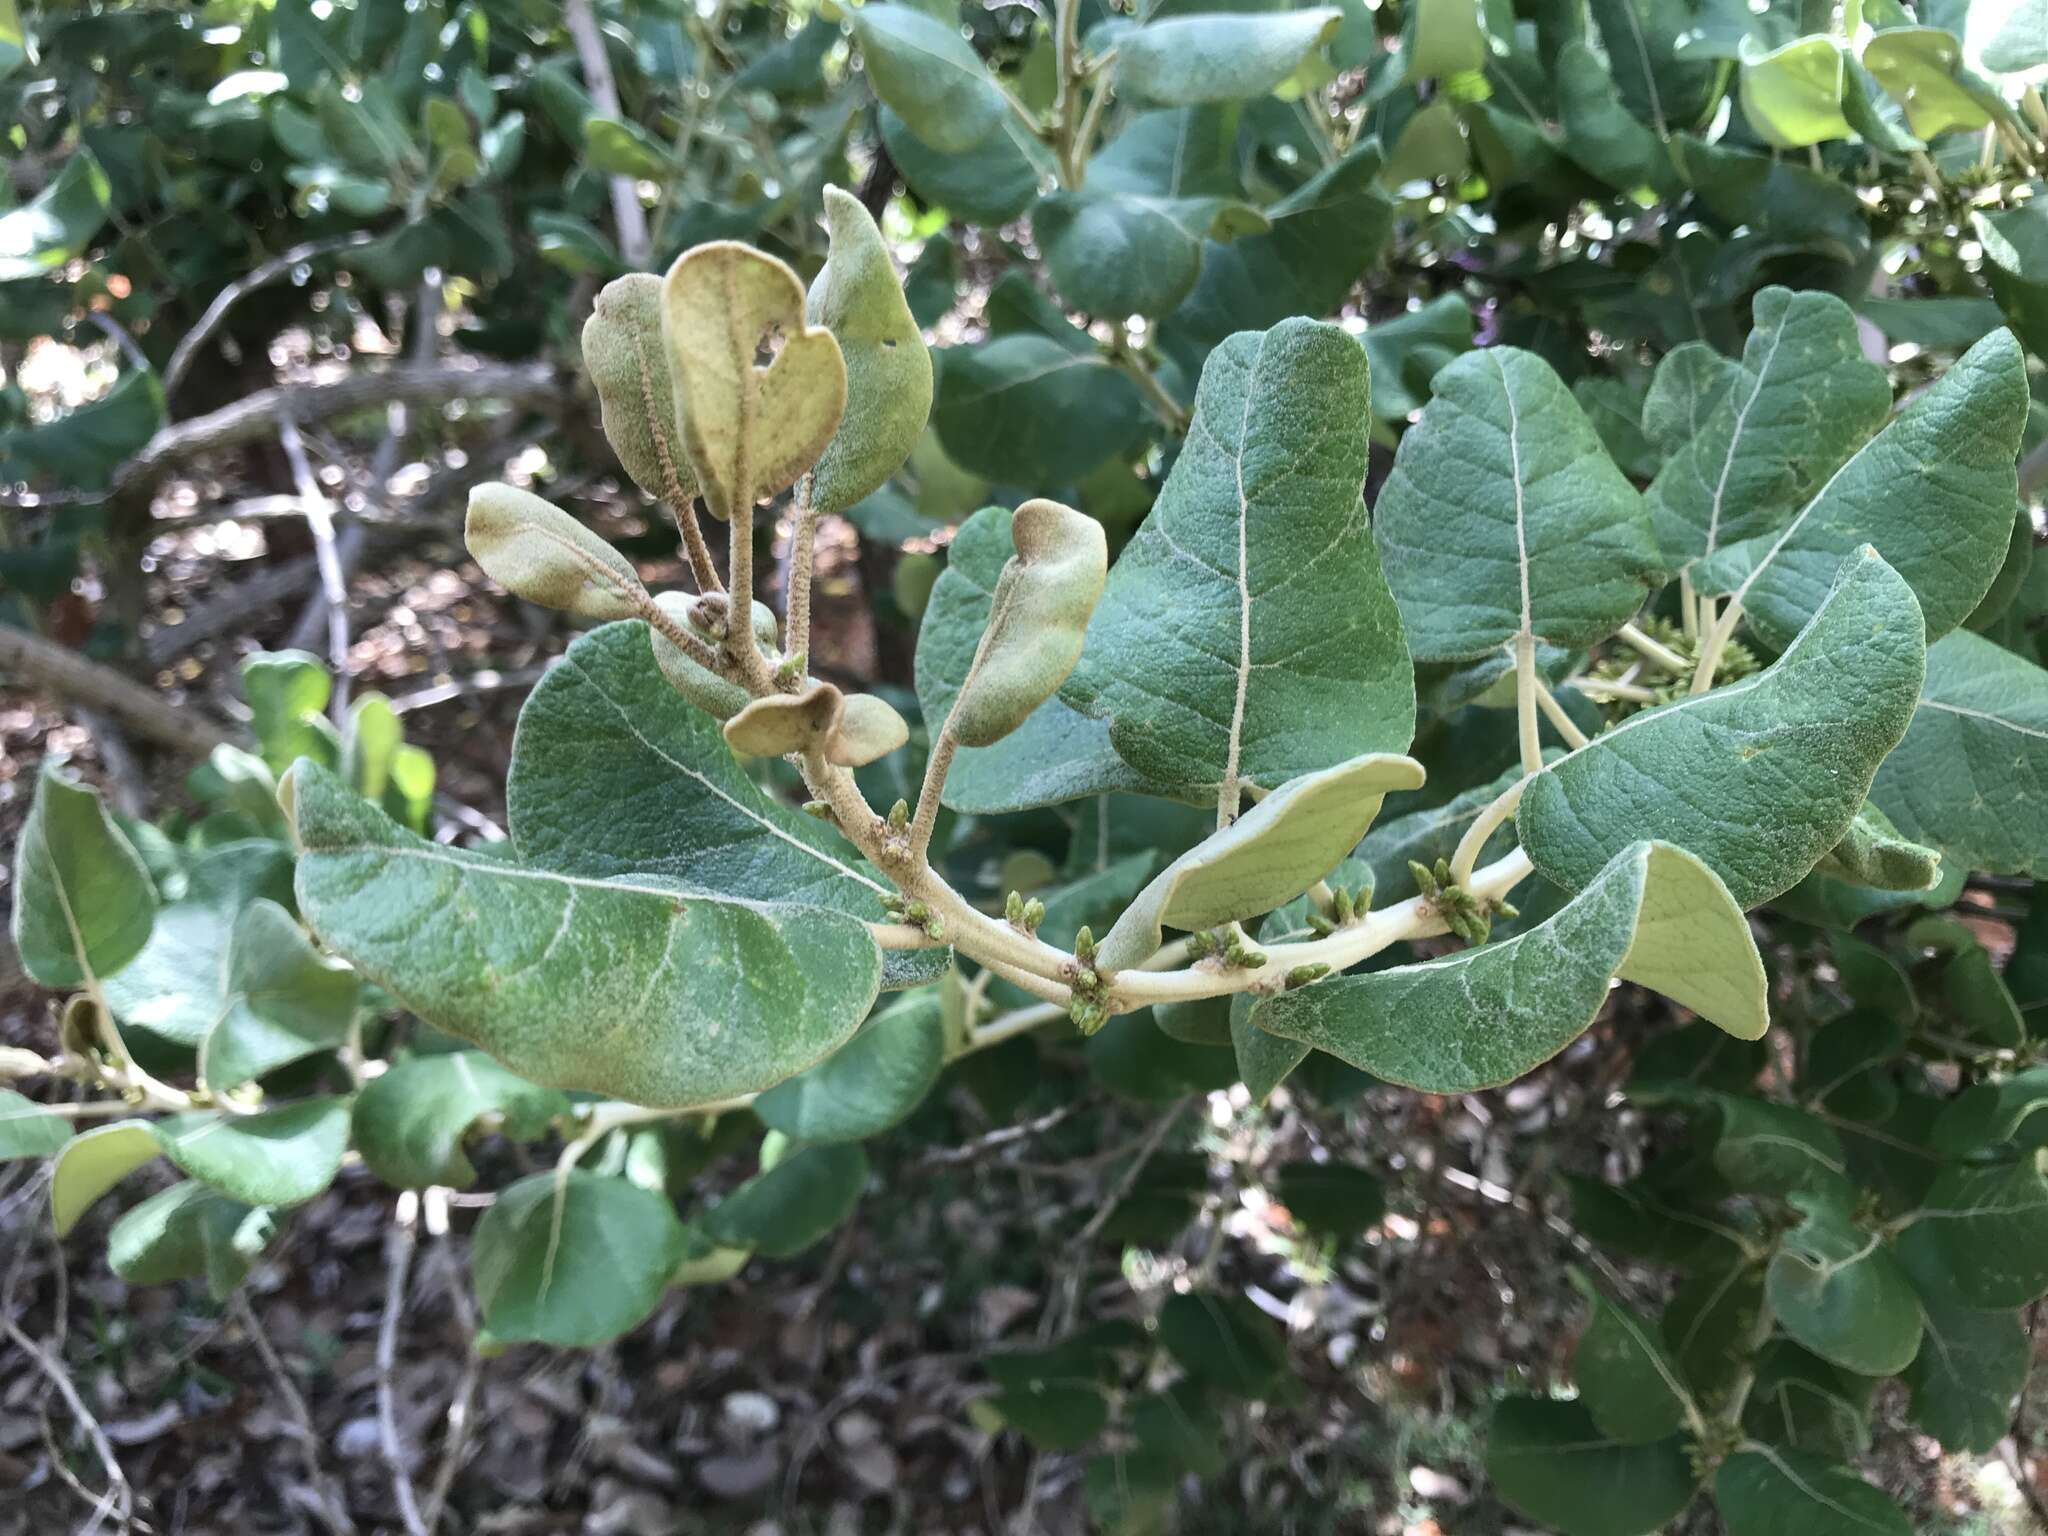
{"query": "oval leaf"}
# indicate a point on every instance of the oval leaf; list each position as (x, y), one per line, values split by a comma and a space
(535, 550)
(635, 988)
(1483, 1017)
(1759, 779)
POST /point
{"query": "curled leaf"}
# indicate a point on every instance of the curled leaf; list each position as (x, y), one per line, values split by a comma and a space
(628, 366)
(1036, 623)
(868, 730)
(535, 550)
(851, 732)
(858, 297)
(711, 693)
(759, 394)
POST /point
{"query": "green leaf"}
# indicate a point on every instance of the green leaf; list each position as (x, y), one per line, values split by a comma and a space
(1056, 754)
(411, 1121)
(869, 1084)
(602, 731)
(1025, 409)
(1053, 1415)
(29, 1130)
(1950, 322)
(1978, 1003)
(1922, 69)
(187, 1231)
(1037, 618)
(573, 1262)
(677, 997)
(1336, 1199)
(1759, 779)
(1184, 60)
(1267, 857)
(613, 147)
(2021, 41)
(1214, 591)
(288, 693)
(179, 986)
(1792, 96)
(723, 305)
(535, 550)
(1180, 1427)
(83, 902)
(58, 223)
(782, 1211)
(858, 297)
(1625, 1377)
(924, 71)
(1971, 775)
(1224, 1341)
(1686, 391)
(1874, 852)
(1444, 38)
(1970, 1370)
(1710, 1325)
(1842, 1293)
(1769, 431)
(1774, 1149)
(1117, 253)
(1987, 1113)
(93, 1162)
(283, 1001)
(1504, 515)
(1549, 1461)
(1324, 236)
(990, 182)
(627, 363)
(1954, 447)
(1655, 78)
(1983, 1229)
(1656, 915)
(1604, 137)
(1800, 1402)
(1408, 350)
(282, 1156)
(1763, 1491)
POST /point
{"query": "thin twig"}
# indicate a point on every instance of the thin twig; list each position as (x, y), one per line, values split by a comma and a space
(628, 217)
(118, 1486)
(461, 1406)
(333, 1504)
(187, 350)
(333, 585)
(398, 1247)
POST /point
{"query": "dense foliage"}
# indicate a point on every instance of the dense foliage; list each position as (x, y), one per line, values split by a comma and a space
(1420, 514)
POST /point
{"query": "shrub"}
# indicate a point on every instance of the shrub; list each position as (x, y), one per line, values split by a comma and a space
(1691, 624)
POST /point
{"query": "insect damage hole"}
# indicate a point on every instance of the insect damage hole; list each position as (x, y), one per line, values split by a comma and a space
(768, 348)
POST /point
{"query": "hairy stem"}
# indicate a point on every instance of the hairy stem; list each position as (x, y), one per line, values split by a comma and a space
(803, 533)
(1066, 106)
(1525, 702)
(936, 767)
(1415, 918)
(1655, 650)
(1553, 711)
(1716, 641)
(1473, 843)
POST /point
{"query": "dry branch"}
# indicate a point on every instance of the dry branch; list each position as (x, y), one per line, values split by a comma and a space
(56, 669)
